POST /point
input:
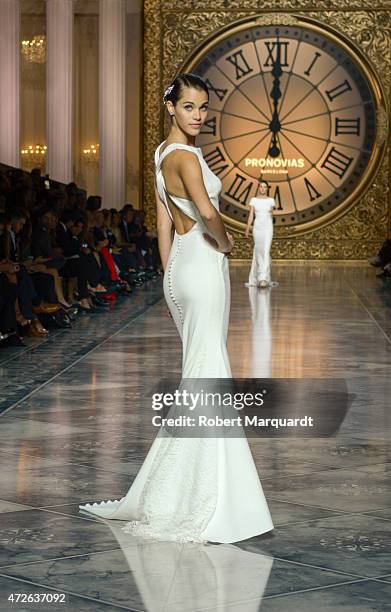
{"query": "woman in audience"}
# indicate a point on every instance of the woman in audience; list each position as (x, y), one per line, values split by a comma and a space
(42, 246)
(110, 270)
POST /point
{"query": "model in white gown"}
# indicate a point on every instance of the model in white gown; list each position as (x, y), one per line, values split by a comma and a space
(195, 489)
(263, 236)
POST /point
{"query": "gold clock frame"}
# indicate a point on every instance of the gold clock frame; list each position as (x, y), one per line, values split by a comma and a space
(173, 33)
(378, 149)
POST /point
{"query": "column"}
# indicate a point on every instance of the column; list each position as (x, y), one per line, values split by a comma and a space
(10, 82)
(112, 155)
(59, 94)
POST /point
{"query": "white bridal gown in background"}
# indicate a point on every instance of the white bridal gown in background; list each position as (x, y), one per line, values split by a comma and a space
(195, 489)
(263, 235)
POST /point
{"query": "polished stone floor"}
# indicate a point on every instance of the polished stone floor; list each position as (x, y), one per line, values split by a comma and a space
(74, 428)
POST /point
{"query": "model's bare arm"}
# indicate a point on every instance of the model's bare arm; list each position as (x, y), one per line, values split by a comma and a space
(164, 230)
(249, 220)
(190, 171)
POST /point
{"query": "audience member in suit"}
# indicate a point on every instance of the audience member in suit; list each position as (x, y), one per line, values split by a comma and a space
(126, 217)
(81, 265)
(27, 296)
(8, 297)
(124, 252)
(147, 241)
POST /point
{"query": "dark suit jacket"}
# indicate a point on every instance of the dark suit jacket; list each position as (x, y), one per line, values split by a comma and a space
(7, 247)
(41, 242)
(61, 235)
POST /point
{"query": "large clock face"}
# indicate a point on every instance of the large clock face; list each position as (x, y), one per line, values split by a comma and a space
(291, 104)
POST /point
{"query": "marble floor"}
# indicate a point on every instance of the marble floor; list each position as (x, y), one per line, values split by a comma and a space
(74, 429)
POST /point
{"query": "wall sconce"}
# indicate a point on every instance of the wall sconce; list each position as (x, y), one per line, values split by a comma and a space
(34, 155)
(91, 154)
(35, 50)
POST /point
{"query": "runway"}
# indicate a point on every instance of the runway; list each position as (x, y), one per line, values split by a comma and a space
(75, 428)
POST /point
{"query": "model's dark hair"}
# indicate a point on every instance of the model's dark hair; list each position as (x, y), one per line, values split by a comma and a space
(261, 180)
(17, 214)
(186, 79)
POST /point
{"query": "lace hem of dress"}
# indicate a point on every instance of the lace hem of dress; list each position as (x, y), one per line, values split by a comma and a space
(102, 503)
(149, 531)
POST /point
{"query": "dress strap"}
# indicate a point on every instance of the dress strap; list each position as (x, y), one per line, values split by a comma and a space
(157, 153)
(160, 178)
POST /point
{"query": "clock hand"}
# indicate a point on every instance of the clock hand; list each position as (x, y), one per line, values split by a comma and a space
(275, 94)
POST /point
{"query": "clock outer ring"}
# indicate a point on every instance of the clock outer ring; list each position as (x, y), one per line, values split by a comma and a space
(349, 47)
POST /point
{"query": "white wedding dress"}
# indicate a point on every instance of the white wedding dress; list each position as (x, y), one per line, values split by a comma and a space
(207, 488)
(263, 236)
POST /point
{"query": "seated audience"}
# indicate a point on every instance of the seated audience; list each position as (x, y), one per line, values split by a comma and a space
(61, 254)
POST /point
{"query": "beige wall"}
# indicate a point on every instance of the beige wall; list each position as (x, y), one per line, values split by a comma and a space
(86, 115)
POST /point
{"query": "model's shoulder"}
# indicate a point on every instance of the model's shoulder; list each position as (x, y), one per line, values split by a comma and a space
(182, 158)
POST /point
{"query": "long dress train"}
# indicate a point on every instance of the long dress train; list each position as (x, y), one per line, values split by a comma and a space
(195, 489)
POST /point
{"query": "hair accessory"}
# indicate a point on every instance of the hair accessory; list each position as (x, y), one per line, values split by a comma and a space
(167, 92)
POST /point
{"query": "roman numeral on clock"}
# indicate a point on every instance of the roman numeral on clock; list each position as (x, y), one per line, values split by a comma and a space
(312, 191)
(216, 161)
(312, 64)
(209, 127)
(238, 189)
(338, 90)
(240, 64)
(220, 93)
(347, 126)
(277, 197)
(276, 49)
(337, 162)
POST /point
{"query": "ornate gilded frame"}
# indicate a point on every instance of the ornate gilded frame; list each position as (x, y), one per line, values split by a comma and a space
(172, 33)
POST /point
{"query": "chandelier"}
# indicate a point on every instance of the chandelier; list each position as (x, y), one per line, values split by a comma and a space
(34, 155)
(35, 50)
(91, 154)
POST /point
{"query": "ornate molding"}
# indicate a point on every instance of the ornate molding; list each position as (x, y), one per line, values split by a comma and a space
(382, 126)
(276, 19)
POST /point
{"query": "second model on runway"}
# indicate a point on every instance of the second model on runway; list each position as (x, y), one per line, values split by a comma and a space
(261, 207)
